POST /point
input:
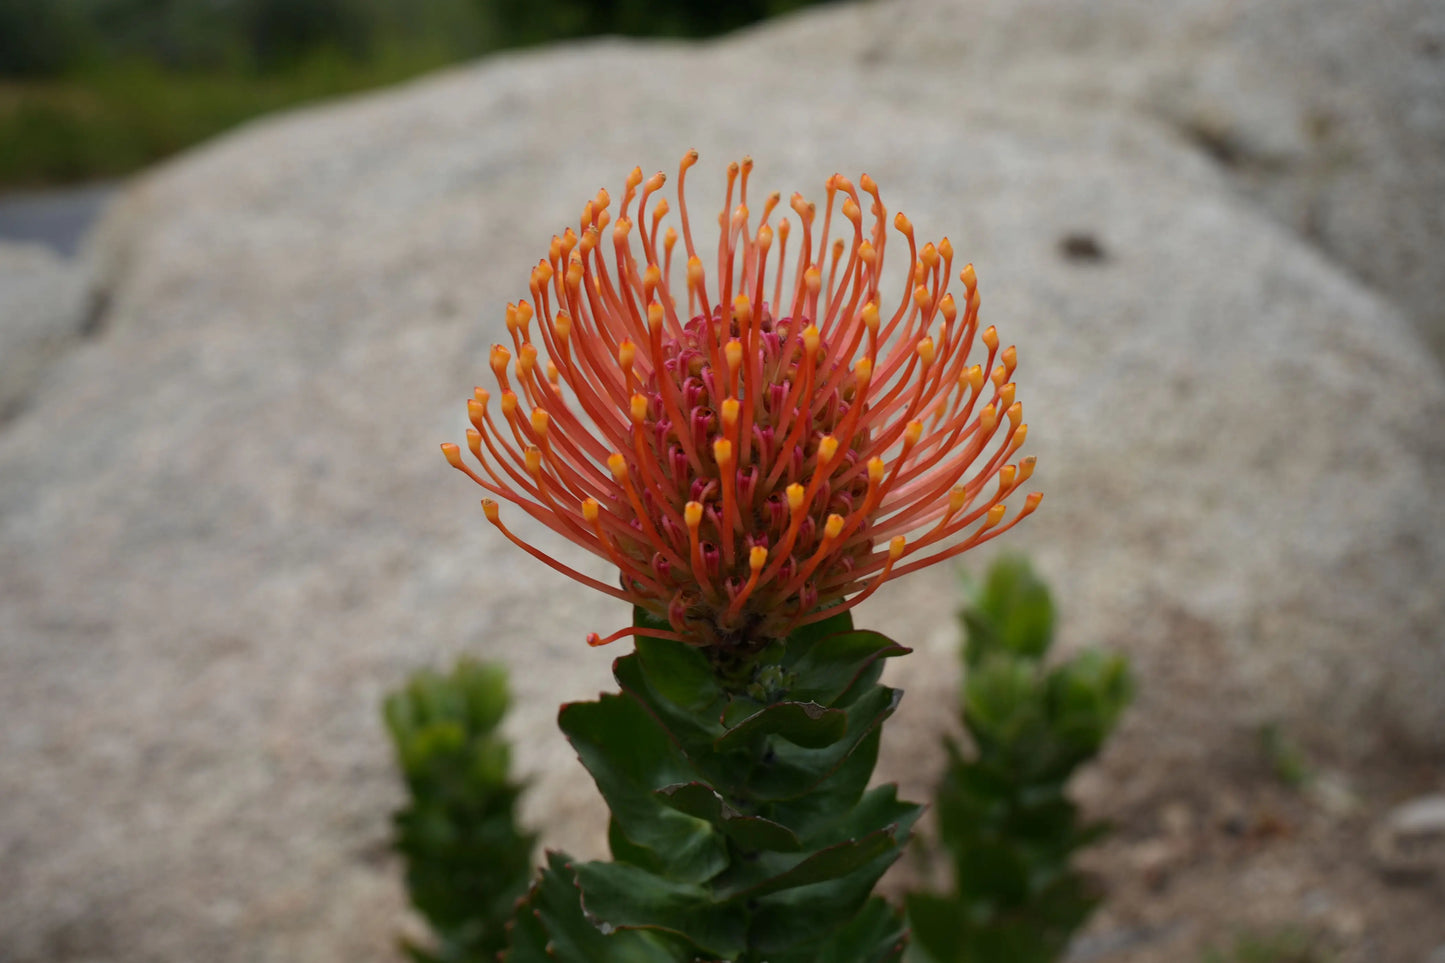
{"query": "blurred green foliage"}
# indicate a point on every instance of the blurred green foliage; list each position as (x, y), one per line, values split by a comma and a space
(466, 862)
(100, 87)
(1004, 818)
(1284, 945)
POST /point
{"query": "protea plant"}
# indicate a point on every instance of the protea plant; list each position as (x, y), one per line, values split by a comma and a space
(755, 454)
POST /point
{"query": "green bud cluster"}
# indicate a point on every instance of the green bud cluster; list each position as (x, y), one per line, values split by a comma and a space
(1005, 821)
(466, 862)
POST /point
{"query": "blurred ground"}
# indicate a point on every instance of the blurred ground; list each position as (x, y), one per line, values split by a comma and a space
(225, 530)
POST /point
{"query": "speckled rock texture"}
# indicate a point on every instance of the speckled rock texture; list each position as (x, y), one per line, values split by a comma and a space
(226, 530)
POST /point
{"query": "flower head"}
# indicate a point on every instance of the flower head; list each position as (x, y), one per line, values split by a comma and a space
(763, 449)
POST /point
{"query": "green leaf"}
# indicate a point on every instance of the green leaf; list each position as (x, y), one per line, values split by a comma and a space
(875, 935)
(790, 771)
(830, 863)
(630, 757)
(549, 926)
(752, 833)
(1013, 613)
(693, 729)
(629, 898)
(828, 668)
(805, 724)
(798, 918)
(676, 671)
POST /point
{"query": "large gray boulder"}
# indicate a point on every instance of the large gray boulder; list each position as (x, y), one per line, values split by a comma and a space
(226, 531)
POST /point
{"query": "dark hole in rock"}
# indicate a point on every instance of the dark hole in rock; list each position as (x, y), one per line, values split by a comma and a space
(1083, 248)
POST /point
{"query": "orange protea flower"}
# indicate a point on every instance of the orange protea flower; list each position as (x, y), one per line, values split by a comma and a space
(770, 455)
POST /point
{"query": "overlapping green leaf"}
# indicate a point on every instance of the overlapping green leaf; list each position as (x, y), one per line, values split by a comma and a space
(626, 897)
(751, 833)
(630, 757)
(549, 926)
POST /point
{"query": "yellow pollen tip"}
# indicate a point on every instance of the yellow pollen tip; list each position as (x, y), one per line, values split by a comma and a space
(1006, 476)
(626, 354)
(590, 510)
(524, 314)
(1032, 502)
(833, 527)
(811, 339)
(617, 465)
(1015, 413)
(655, 182)
(895, 547)
(512, 318)
(929, 255)
(500, 357)
(813, 280)
(562, 327)
(969, 278)
(722, 450)
(1026, 468)
(949, 309)
(692, 514)
(654, 317)
(1020, 434)
(827, 448)
(850, 210)
(875, 471)
(694, 271)
(995, 515)
(639, 409)
(474, 441)
(757, 558)
(870, 317)
(957, 498)
(730, 409)
(742, 309)
(795, 497)
(987, 418)
(476, 410)
(912, 433)
(925, 350)
(945, 247)
(1010, 357)
(999, 376)
(990, 337)
(493, 513)
(975, 377)
(1006, 394)
(733, 351)
(863, 370)
(509, 403)
(866, 253)
(533, 459)
(921, 297)
(553, 375)
(453, 454)
(902, 223)
(540, 421)
(481, 395)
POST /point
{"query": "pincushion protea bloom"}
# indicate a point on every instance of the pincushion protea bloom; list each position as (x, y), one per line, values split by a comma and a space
(756, 456)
